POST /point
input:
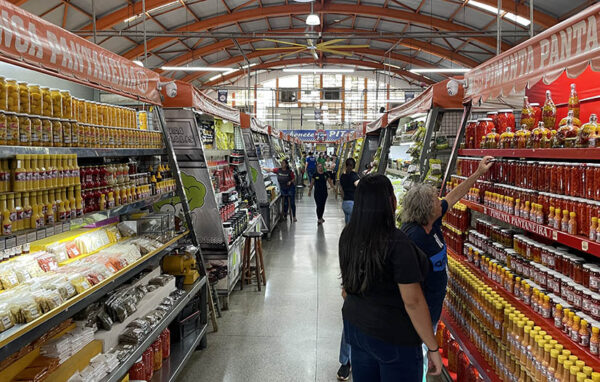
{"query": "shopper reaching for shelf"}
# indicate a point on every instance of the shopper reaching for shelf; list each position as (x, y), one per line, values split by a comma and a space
(422, 222)
(386, 318)
(319, 182)
(286, 179)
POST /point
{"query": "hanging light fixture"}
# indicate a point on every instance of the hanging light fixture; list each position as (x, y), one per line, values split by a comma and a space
(313, 18)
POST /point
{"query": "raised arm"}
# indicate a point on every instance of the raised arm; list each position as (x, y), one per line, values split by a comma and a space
(418, 311)
(462, 189)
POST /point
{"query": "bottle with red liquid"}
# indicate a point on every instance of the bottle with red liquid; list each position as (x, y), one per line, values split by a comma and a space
(574, 104)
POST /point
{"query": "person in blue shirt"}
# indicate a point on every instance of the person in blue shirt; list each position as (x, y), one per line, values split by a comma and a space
(311, 166)
(422, 222)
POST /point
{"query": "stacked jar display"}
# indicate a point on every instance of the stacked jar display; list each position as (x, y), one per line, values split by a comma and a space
(510, 341)
(33, 115)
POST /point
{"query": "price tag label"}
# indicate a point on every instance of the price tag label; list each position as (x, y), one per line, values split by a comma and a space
(21, 239)
(49, 231)
(41, 234)
(584, 245)
(31, 236)
(2, 244)
(554, 235)
(66, 226)
(11, 242)
(78, 222)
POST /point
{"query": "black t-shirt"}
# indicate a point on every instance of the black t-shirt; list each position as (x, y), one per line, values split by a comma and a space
(347, 182)
(380, 313)
(283, 177)
(321, 182)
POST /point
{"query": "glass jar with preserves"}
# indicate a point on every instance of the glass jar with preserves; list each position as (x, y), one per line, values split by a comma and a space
(3, 128)
(3, 94)
(101, 114)
(527, 114)
(537, 113)
(24, 130)
(57, 108)
(75, 133)
(88, 112)
(66, 128)
(586, 136)
(522, 137)
(506, 118)
(573, 104)
(57, 133)
(574, 120)
(549, 112)
(46, 101)
(81, 111)
(36, 131)
(46, 138)
(24, 101)
(35, 95)
(484, 127)
(12, 95)
(67, 104)
(95, 116)
(566, 134)
(470, 134)
(540, 137)
(492, 139)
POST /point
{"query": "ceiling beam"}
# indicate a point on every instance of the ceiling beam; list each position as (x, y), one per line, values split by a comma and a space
(281, 10)
(409, 43)
(308, 61)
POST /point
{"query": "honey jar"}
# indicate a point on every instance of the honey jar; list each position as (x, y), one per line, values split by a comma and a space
(46, 102)
(12, 95)
(75, 133)
(57, 108)
(35, 95)
(81, 111)
(94, 115)
(66, 128)
(3, 95)
(24, 102)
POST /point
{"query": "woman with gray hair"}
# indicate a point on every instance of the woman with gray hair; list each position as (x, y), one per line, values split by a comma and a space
(422, 222)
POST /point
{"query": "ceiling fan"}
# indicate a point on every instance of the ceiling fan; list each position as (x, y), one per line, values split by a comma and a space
(327, 47)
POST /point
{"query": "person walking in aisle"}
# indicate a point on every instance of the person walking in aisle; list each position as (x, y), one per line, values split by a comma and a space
(386, 318)
(321, 159)
(329, 167)
(303, 167)
(422, 222)
(319, 182)
(311, 165)
(348, 182)
(286, 178)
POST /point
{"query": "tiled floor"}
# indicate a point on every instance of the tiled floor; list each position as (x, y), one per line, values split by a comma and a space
(291, 330)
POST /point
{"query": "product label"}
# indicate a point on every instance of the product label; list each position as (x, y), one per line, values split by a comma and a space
(7, 229)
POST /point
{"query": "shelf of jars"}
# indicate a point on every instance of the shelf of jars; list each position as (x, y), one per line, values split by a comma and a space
(540, 153)
(521, 315)
(481, 369)
(81, 152)
(577, 242)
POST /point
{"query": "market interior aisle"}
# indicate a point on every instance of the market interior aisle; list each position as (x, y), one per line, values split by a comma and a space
(291, 330)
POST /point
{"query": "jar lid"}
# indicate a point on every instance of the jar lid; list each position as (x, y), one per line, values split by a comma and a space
(491, 112)
(22, 82)
(535, 104)
(486, 119)
(505, 111)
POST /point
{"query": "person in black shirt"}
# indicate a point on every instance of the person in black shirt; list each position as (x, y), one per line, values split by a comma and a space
(386, 318)
(319, 182)
(286, 179)
(348, 181)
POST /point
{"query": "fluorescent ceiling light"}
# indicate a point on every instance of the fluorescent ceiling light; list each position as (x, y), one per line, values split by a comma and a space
(197, 68)
(440, 70)
(139, 63)
(393, 66)
(248, 66)
(317, 70)
(273, 120)
(322, 101)
(313, 19)
(151, 10)
(508, 15)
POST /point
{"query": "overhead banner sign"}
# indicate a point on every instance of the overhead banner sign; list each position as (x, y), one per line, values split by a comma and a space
(28, 39)
(312, 135)
(222, 95)
(571, 45)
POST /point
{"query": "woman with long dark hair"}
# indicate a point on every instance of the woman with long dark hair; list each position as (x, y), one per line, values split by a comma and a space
(386, 318)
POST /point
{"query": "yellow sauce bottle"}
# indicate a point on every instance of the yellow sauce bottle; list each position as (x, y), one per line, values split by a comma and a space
(59, 171)
(19, 174)
(27, 211)
(52, 199)
(41, 220)
(48, 171)
(78, 201)
(35, 173)
(66, 205)
(6, 222)
(28, 172)
(72, 202)
(19, 212)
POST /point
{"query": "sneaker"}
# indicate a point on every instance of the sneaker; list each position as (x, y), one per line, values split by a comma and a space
(295, 220)
(343, 373)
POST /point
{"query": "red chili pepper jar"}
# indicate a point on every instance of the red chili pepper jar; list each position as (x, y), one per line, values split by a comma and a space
(537, 113)
(506, 118)
(484, 127)
(138, 370)
(470, 134)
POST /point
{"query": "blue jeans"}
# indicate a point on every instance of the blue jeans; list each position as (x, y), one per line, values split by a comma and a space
(344, 351)
(376, 360)
(347, 206)
(310, 172)
(435, 292)
(289, 193)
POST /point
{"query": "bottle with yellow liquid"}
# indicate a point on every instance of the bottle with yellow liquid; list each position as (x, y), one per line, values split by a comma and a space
(49, 208)
(33, 220)
(28, 172)
(19, 174)
(52, 199)
(54, 171)
(76, 174)
(6, 222)
(72, 201)
(36, 172)
(18, 212)
(27, 211)
(61, 211)
(78, 201)
(68, 169)
(67, 201)
(60, 181)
